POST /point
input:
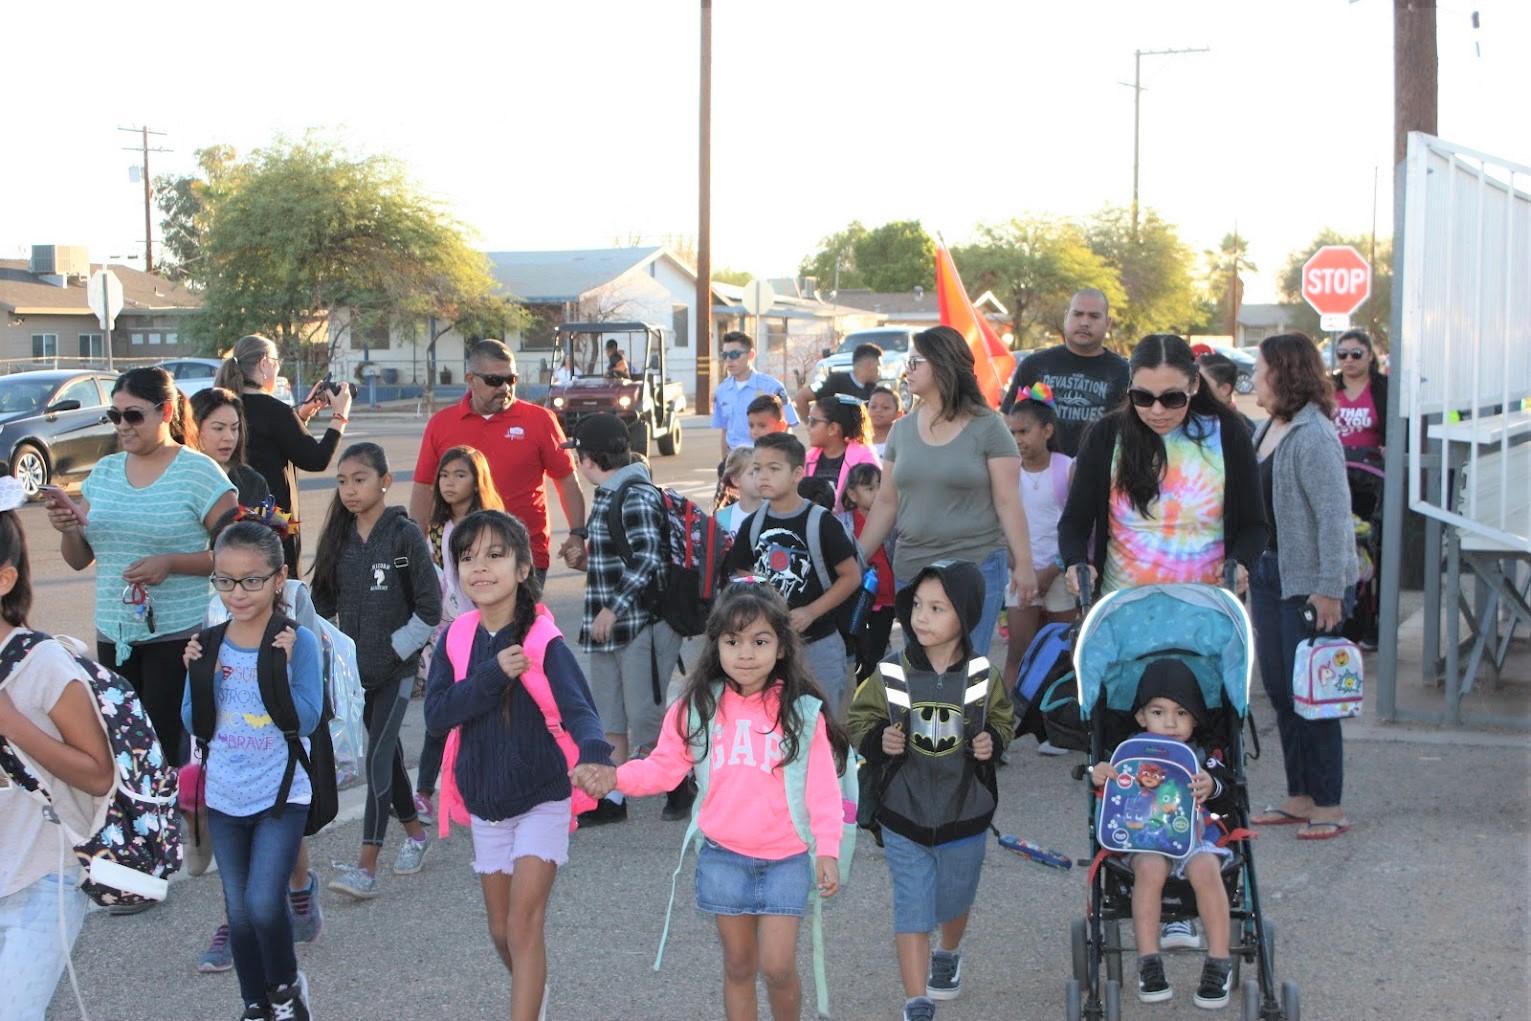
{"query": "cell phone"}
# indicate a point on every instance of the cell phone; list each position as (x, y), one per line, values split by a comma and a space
(53, 496)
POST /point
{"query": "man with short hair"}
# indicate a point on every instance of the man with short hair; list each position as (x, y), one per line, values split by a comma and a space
(616, 360)
(521, 441)
(866, 372)
(1087, 379)
(731, 400)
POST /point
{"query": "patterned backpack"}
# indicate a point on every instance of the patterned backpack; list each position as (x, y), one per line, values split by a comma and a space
(135, 842)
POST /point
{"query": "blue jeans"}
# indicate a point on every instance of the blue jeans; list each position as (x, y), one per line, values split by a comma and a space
(256, 854)
(32, 952)
(932, 885)
(1312, 750)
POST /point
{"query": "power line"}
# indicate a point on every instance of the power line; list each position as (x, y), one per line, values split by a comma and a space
(143, 150)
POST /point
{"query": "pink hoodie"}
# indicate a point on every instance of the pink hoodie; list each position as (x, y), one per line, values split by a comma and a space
(746, 805)
(856, 452)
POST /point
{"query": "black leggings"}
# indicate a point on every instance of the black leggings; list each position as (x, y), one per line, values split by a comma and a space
(872, 642)
(383, 711)
(156, 672)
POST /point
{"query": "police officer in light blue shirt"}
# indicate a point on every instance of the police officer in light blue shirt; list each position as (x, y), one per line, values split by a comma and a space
(744, 384)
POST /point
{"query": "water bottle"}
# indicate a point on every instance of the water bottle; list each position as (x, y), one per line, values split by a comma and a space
(864, 597)
(1034, 852)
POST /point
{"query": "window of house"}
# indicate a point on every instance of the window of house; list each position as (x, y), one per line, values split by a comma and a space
(137, 338)
(44, 345)
(680, 317)
(155, 338)
(377, 337)
(92, 346)
(172, 338)
(540, 333)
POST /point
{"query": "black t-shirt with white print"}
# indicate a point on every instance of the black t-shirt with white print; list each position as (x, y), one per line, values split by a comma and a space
(782, 557)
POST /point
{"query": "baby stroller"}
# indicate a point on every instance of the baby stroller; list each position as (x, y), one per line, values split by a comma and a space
(1363, 472)
(1207, 628)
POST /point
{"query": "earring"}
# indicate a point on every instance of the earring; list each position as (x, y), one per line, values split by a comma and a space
(385, 489)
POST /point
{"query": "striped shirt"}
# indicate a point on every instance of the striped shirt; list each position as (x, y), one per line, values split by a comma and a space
(127, 523)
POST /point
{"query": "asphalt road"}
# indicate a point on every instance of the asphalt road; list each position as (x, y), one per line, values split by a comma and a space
(1419, 912)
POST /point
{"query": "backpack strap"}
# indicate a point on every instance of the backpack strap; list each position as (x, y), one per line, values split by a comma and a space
(14, 654)
(815, 544)
(795, 775)
(614, 527)
(401, 562)
(204, 704)
(1059, 470)
(701, 768)
(276, 694)
(460, 642)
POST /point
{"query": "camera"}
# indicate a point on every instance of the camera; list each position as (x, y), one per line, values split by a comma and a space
(333, 386)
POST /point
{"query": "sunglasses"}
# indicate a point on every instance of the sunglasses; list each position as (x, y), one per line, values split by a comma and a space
(223, 584)
(731, 355)
(1171, 400)
(494, 382)
(132, 416)
(1352, 352)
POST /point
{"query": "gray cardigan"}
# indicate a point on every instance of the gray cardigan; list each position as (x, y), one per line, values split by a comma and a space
(1316, 549)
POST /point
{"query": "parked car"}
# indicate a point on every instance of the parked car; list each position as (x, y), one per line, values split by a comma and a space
(53, 425)
(1246, 362)
(193, 374)
(894, 341)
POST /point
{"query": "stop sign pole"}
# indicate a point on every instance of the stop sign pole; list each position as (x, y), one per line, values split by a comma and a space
(1336, 281)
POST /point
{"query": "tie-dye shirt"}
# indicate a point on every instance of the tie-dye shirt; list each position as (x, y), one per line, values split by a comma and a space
(1181, 538)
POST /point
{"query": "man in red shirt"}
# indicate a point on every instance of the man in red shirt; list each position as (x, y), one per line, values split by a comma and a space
(522, 443)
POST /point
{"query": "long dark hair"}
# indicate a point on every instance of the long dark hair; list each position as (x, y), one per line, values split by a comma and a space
(849, 414)
(510, 532)
(208, 400)
(951, 365)
(325, 571)
(16, 603)
(1296, 376)
(864, 474)
(1143, 460)
(485, 496)
(739, 606)
(153, 384)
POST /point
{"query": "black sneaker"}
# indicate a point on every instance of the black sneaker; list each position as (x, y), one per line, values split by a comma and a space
(1153, 987)
(290, 1002)
(605, 811)
(256, 1012)
(944, 980)
(1216, 977)
(677, 804)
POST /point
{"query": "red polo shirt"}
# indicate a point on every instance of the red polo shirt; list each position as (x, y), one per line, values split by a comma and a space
(521, 444)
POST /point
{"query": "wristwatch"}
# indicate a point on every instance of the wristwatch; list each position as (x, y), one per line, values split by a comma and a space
(583, 533)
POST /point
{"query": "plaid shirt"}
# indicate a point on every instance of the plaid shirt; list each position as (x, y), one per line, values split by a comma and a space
(609, 582)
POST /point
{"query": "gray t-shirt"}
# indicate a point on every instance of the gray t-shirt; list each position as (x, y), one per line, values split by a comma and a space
(945, 500)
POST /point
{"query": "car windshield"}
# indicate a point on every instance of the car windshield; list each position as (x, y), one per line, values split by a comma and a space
(588, 355)
(886, 341)
(23, 395)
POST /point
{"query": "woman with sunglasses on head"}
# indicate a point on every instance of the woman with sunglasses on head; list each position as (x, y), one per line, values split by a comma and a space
(144, 523)
(1166, 482)
(277, 439)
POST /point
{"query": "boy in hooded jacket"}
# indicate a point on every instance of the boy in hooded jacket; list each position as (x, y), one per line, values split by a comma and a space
(932, 722)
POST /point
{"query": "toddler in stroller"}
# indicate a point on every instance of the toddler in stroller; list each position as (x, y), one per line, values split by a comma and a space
(1169, 704)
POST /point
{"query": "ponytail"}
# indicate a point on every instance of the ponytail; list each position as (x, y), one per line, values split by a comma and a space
(183, 424)
(238, 369)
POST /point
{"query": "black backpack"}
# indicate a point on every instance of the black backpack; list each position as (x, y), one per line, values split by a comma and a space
(318, 760)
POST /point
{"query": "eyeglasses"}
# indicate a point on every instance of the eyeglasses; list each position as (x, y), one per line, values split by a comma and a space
(915, 361)
(731, 355)
(132, 416)
(1171, 400)
(494, 382)
(253, 584)
(813, 421)
(1351, 352)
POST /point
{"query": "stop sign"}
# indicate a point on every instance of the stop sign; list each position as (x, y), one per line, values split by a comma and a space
(1336, 280)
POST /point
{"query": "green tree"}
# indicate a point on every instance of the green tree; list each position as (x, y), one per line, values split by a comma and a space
(1223, 285)
(1034, 265)
(1155, 272)
(1374, 316)
(738, 277)
(303, 229)
(187, 203)
(898, 256)
(834, 263)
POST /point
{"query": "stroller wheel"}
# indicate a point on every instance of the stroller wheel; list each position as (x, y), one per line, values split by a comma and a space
(1078, 943)
(1291, 1005)
(1251, 994)
(1113, 1000)
(1073, 1000)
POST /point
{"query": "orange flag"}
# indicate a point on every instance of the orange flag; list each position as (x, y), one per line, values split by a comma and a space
(992, 361)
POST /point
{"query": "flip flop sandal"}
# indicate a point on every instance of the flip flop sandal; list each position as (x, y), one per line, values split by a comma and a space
(1331, 830)
(1281, 818)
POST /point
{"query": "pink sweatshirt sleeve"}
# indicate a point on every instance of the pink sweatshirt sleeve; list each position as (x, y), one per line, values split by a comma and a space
(826, 809)
(665, 766)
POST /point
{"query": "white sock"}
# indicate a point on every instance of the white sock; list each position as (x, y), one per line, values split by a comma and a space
(615, 797)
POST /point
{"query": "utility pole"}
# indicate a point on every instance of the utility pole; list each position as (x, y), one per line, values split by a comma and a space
(1233, 290)
(703, 324)
(1137, 107)
(143, 149)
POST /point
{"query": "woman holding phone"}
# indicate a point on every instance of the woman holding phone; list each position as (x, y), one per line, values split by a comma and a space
(277, 439)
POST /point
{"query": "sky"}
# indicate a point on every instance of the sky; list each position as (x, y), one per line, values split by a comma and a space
(573, 124)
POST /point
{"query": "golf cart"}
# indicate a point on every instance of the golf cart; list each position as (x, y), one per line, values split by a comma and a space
(629, 382)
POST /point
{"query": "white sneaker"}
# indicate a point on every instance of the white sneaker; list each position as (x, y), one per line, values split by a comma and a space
(1179, 936)
(1048, 748)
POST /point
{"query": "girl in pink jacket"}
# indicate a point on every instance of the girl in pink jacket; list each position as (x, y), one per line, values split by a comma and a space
(838, 429)
(753, 870)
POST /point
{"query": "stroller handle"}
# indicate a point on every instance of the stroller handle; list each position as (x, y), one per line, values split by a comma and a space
(1231, 576)
(1086, 590)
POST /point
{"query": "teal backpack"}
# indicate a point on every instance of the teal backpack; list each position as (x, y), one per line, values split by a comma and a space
(796, 773)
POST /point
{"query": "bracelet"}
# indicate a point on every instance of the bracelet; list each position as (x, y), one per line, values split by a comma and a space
(339, 418)
(582, 533)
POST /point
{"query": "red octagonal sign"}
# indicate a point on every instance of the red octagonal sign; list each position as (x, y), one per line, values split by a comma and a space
(1336, 280)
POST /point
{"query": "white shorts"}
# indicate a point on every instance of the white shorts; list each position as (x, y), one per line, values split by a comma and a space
(1055, 600)
(540, 832)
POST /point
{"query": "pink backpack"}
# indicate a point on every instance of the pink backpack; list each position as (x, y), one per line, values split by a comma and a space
(535, 681)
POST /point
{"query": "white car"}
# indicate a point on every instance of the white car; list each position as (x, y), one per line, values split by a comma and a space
(194, 374)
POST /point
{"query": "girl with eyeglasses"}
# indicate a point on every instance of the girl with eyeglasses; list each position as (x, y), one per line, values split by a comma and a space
(837, 438)
(1167, 482)
(144, 523)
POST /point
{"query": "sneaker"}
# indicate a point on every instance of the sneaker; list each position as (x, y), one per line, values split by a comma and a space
(1179, 936)
(130, 909)
(605, 811)
(411, 857)
(290, 1002)
(1048, 748)
(1216, 977)
(919, 1009)
(218, 956)
(307, 915)
(677, 803)
(1153, 987)
(945, 979)
(355, 882)
(256, 1012)
(424, 811)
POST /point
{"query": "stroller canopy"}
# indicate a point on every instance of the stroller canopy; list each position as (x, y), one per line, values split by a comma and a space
(1203, 625)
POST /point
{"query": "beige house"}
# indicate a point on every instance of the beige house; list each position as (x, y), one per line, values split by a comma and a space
(46, 321)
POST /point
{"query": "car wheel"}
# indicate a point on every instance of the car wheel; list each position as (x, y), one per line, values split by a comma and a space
(1245, 383)
(30, 468)
(669, 443)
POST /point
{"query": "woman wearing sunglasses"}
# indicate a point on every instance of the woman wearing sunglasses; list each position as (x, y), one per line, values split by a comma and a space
(146, 516)
(277, 440)
(1166, 482)
(1360, 394)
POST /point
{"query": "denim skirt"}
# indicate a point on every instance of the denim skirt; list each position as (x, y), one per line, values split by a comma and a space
(728, 883)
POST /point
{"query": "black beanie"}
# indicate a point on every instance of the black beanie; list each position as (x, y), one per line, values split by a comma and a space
(1172, 679)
